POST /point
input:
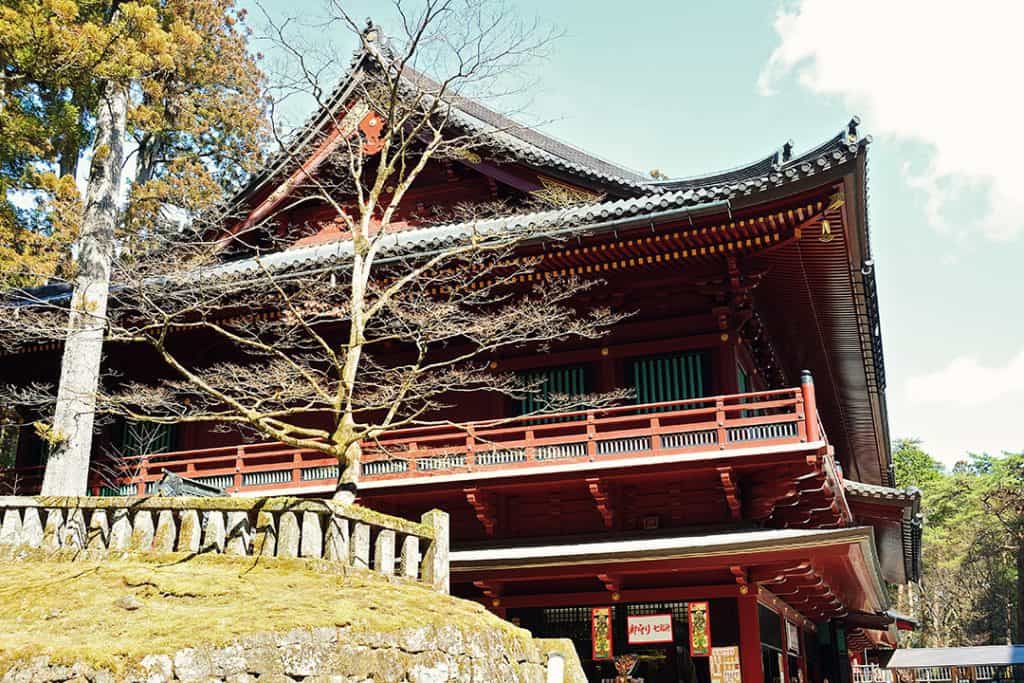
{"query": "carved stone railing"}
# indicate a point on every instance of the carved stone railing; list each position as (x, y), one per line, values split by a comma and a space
(284, 528)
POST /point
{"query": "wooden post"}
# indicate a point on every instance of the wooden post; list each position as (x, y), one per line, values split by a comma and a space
(435, 560)
(723, 435)
(810, 406)
(591, 435)
(239, 454)
(143, 471)
(750, 639)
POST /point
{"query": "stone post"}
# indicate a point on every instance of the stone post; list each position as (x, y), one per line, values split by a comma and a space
(312, 536)
(31, 528)
(142, 531)
(384, 552)
(238, 533)
(410, 559)
(361, 545)
(10, 530)
(51, 532)
(337, 539)
(99, 530)
(73, 535)
(556, 668)
(120, 530)
(265, 542)
(190, 532)
(166, 532)
(214, 534)
(288, 535)
(435, 561)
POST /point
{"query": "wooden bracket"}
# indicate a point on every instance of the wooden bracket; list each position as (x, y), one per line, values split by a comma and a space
(483, 506)
(732, 492)
(740, 574)
(612, 584)
(602, 499)
(491, 589)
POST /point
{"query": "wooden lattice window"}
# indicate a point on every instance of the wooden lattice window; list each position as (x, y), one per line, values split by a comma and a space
(671, 377)
(145, 438)
(564, 380)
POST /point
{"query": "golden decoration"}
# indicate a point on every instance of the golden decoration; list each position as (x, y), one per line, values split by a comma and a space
(826, 232)
(468, 155)
(560, 194)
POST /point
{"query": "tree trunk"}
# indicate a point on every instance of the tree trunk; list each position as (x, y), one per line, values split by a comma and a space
(1019, 607)
(67, 469)
(348, 479)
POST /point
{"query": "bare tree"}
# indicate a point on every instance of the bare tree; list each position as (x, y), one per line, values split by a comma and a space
(326, 347)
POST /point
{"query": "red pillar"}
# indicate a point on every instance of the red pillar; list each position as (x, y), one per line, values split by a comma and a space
(750, 639)
(725, 360)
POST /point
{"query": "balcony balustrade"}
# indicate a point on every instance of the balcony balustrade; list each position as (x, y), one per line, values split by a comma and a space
(508, 446)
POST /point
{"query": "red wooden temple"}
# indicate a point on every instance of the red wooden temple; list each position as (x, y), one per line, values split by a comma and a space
(739, 515)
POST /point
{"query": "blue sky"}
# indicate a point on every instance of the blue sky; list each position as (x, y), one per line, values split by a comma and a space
(690, 87)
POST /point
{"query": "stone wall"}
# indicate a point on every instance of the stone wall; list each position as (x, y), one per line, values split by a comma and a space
(421, 655)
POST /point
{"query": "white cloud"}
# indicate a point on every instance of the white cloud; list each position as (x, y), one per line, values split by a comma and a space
(945, 74)
(966, 382)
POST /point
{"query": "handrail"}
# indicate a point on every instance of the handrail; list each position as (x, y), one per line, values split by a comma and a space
(713, 423)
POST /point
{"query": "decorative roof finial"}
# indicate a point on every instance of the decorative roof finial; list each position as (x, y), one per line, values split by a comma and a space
(787, 151)
(372, 32)
(851, 129)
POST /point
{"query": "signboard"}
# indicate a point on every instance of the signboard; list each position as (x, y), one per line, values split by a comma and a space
(650, 628)
(601, 633)
(792, 638)
(700, 629)
(725, 665)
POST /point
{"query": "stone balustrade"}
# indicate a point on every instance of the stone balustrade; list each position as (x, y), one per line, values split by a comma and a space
(261, 527)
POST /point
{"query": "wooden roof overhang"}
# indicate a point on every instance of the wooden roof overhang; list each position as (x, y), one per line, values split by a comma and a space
(895, 515)
(821, 574)
(815, 290)
(785, 486)
(818, 299)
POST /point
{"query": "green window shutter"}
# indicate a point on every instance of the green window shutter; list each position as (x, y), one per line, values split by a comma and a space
(570, 380)
(145, 438)
(9, 437)
(743, 380)
(674, 377)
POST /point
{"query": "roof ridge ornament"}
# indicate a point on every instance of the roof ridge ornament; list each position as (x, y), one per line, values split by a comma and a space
(787, 151)
(851, 129)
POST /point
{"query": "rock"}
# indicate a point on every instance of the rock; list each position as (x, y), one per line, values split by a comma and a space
(129, 603)
(157, 668)
(228, 661)
(191, 664)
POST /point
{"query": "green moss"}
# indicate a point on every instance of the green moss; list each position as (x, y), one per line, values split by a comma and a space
(67, 610)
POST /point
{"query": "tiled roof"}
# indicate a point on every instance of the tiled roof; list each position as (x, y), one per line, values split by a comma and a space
(862, 490)
(837, 151)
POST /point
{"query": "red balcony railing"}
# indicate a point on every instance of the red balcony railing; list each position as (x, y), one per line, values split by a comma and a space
(720, 423)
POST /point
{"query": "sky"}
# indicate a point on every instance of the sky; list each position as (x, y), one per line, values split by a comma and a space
(693, 87)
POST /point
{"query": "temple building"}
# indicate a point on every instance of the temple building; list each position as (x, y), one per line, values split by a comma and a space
(735, 521)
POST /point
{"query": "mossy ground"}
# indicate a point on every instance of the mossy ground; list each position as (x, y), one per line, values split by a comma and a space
(70, 611)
